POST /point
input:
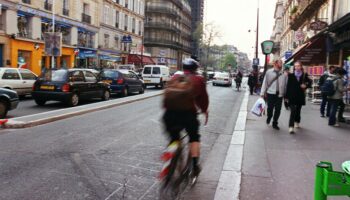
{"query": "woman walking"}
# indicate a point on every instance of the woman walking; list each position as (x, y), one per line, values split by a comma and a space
(298, 82)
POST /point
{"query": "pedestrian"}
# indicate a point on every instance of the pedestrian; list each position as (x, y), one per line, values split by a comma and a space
(325, 102)
(252, 82)
(337, 98)
(273, 90)
(297, 83)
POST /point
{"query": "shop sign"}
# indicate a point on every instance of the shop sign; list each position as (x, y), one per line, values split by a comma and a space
(53, 44)
(87, 54)
(342, 37)
(127, 39)
(288, 54)
(318, 25)
(267, 47)
(299, 35)
(49, 16)
(110, 58)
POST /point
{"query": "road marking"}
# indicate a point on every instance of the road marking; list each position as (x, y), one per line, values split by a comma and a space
(230, 179)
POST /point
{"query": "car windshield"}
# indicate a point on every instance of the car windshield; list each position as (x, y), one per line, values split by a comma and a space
(110, 74)
(54, 75)
(147, 70)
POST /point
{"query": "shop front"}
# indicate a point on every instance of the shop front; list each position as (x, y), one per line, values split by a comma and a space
(135, 59)
(87, 58)
(109, 59)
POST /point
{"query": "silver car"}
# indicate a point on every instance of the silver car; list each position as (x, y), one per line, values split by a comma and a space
(223, 79)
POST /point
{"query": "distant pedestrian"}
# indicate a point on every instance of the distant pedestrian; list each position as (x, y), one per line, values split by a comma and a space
(325, 103)
(337, 98)
(298, 82)
(273, 90)
(252, 82)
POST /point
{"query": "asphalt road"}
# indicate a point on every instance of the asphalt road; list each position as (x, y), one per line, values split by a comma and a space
(110, 154)
(27, 106)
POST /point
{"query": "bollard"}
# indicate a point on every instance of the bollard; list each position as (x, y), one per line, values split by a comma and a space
(319, 178)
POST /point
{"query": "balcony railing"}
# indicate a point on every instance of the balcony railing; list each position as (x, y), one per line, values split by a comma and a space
(162, 9)
(306, 9)
(48, 6)
(162, 25)
(162, 42)
(26, 1)
(25, 33)
(65, 12)
(86, 18)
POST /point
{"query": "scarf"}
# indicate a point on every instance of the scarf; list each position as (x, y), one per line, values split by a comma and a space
(298, 74)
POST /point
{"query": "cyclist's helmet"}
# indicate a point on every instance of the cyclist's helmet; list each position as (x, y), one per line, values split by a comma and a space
(190, 64)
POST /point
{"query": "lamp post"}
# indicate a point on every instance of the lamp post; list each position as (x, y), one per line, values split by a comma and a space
(53, 31)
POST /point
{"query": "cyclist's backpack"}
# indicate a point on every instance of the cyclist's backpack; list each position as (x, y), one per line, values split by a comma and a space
(179, 94)
(328, 87)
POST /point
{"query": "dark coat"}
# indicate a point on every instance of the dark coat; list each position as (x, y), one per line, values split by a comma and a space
(252, 80)
(295, 94)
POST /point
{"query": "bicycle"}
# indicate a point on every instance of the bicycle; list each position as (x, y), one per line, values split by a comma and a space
(177, 172)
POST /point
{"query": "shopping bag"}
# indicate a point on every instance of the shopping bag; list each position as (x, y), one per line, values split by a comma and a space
(259, 107)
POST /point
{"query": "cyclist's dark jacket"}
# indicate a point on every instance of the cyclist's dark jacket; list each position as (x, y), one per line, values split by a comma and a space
(200, 92)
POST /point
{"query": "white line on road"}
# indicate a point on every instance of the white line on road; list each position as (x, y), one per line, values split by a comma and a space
(230, 180)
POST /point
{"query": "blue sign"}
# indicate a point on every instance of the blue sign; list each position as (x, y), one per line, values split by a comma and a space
(87, 54)
(126, 39)
(110, 58)
(256, 61)
(288, 54)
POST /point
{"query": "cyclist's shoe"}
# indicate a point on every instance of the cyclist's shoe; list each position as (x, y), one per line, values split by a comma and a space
(197, 170)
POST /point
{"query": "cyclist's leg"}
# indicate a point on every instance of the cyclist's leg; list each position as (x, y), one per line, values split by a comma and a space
(192, 128)
(172, 125)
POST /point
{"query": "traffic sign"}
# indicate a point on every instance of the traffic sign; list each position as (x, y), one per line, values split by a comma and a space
(256, 61)
(267, 46)
(288, 54)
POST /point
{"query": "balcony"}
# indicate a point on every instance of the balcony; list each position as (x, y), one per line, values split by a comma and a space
(86, 18)
(48, 6)
(65, 12)
(162, 43)
(162, 10)
(306, 9)
(162, 25)
(26, 1)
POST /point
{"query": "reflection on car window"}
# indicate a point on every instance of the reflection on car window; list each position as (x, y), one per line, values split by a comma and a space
(11, 74)
(76, 76)
(110, 74)
(156, 70)
(90, 77)
(54, 75)
(147, 70)
(27, 75)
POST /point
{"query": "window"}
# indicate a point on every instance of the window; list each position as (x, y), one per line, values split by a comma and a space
(140, 28)
(106, 41)
(23, 26)
(126, 3)
(110, 74)
(117, 19)
(126, 21)
(147, 70)
(106, 15)
(76, 76)
(11, 74)
(27, 75)
(65, 7)
(54, 75)
(26, 1)
(133, 25)
(156, 70)
(117, 42)
(90, 77)
(133, 75)
(86, 8)
(48, 5)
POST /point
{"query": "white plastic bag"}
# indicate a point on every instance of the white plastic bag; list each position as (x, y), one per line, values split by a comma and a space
(259, 107)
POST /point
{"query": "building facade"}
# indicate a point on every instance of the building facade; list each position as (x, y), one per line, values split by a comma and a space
(197, 7)
(168, 31)
(119, 20)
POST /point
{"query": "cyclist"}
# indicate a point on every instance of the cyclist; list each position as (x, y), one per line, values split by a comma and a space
(175, 120)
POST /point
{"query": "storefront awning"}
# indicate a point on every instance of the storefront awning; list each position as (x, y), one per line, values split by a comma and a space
(311, 53)
(110, 58)
(136, 59)
(84, 53)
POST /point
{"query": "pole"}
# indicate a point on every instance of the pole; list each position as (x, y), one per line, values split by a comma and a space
(142, 42)
(53, 31)
(319, 177)
(257, 36)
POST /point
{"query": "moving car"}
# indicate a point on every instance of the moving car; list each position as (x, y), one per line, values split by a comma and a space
(20, 80)
(222, 79)
(8, 101)
(155, 75)
(122, 82)
(69, 86)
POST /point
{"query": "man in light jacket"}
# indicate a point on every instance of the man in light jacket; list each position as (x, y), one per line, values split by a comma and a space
(273, 90)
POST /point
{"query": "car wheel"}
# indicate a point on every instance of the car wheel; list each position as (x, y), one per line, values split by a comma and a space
(142, 90)
(40, 102)
(74, 100)
(106, 95)
(125, 92)
(3, 109)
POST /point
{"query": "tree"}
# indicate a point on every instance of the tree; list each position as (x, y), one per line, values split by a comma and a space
(230, 59)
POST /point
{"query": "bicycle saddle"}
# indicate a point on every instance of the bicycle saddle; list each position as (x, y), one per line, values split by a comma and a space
(346, 167)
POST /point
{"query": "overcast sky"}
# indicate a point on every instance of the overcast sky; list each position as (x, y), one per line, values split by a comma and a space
(235, 17)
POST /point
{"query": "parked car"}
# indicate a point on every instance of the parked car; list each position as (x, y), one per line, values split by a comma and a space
(222, 79)
(69, 86)
(123, 82)
(155, 75)
(8, 101)
(20, 80)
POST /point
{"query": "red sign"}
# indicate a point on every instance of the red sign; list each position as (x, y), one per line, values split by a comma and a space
(315, 71)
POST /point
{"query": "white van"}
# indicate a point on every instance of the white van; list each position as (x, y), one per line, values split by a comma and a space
(156, 75)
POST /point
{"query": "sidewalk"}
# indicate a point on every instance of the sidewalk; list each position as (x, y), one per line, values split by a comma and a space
(280, 166)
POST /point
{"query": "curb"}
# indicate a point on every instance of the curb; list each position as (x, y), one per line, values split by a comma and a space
(21, 122)
(229, 185)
